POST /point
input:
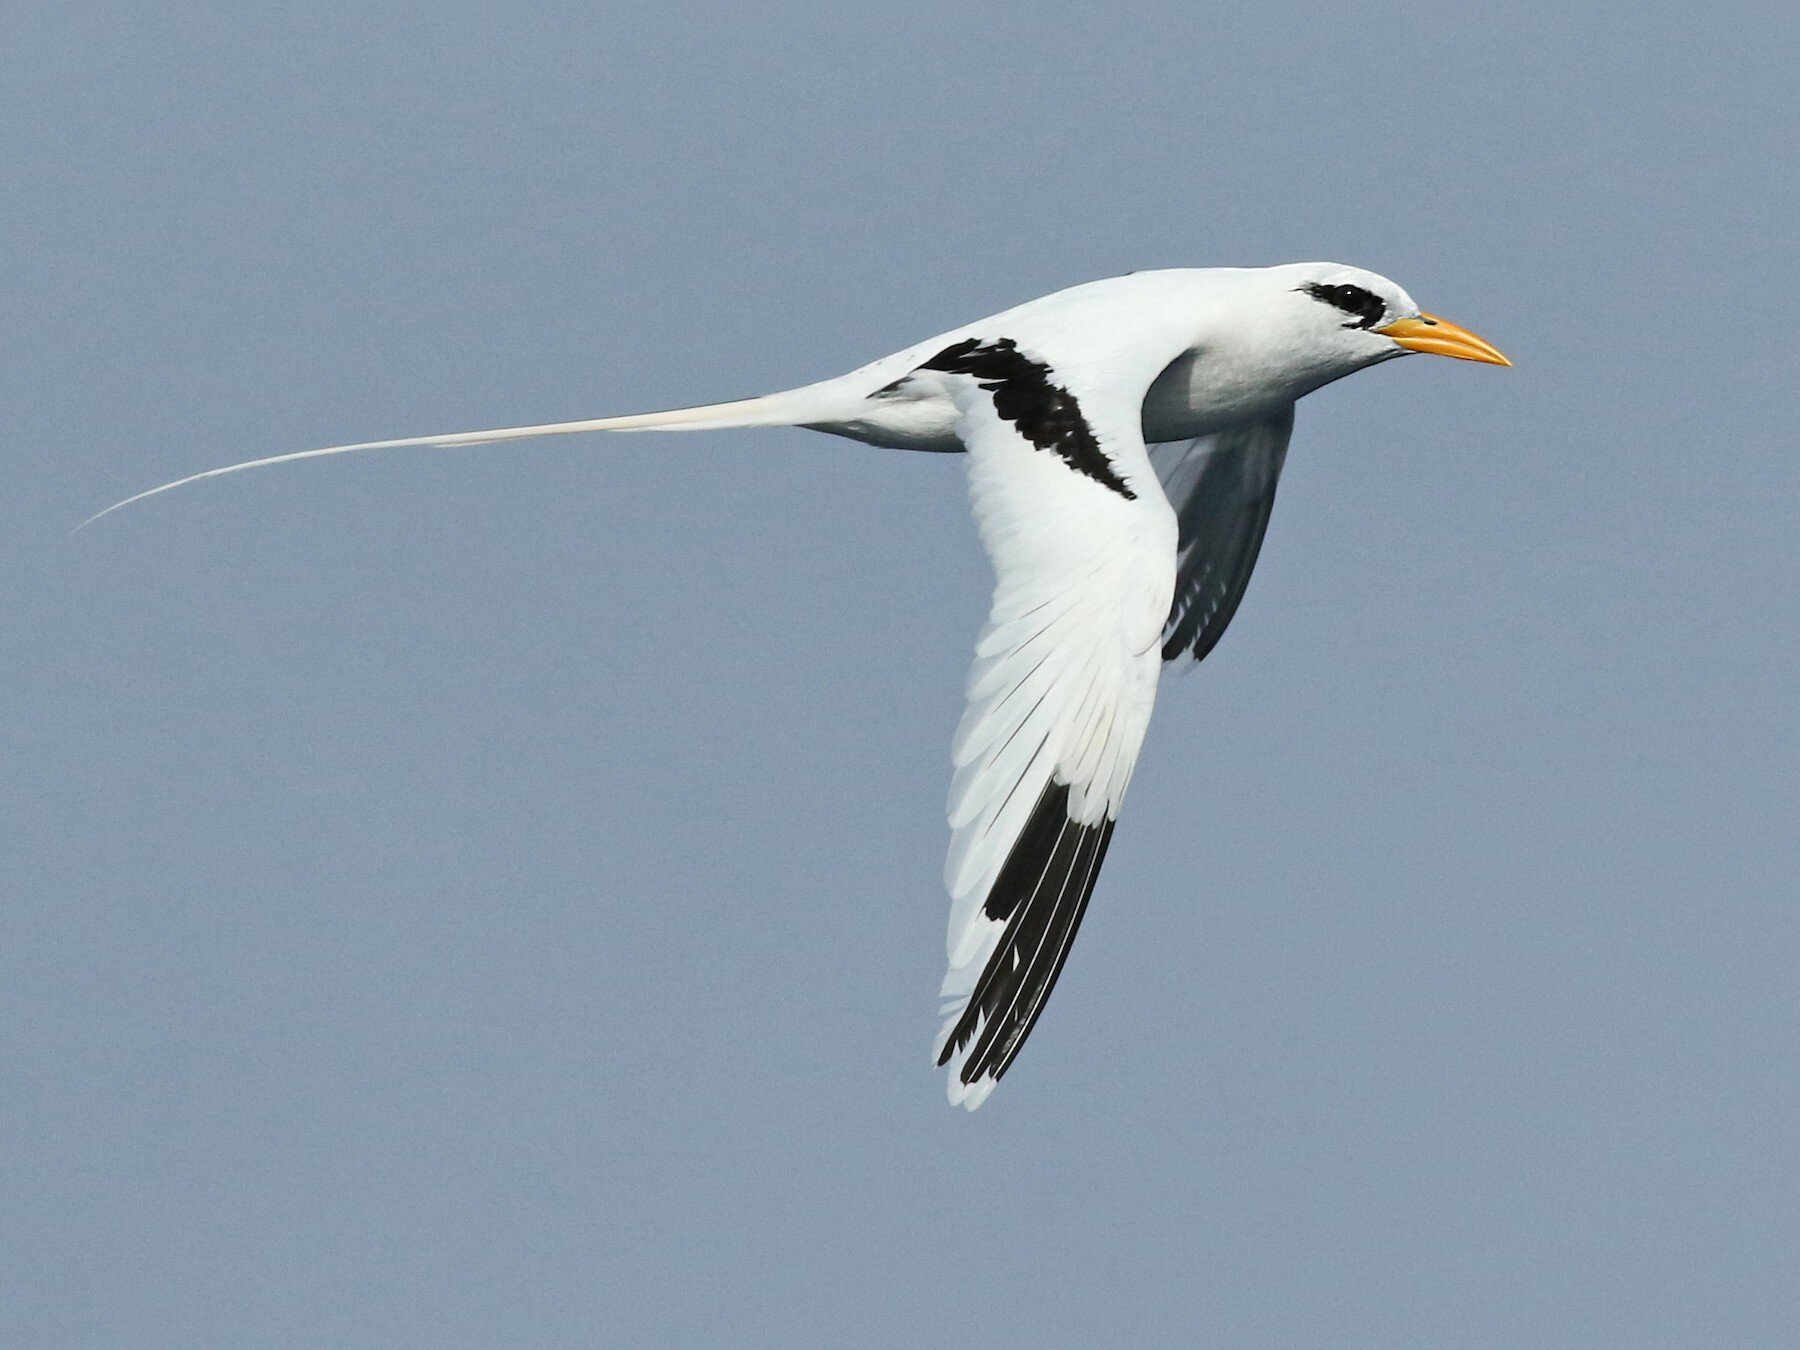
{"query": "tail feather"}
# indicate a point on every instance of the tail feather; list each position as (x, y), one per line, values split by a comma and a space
(790, 407)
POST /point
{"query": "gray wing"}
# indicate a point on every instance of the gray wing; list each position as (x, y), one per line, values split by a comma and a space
(1222, 488)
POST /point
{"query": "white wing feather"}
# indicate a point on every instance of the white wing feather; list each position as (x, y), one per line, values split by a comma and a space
(1059, 699)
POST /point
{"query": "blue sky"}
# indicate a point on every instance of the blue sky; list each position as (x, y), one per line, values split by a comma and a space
(470, 898)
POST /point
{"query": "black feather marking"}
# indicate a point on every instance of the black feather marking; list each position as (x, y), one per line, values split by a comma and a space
(1364, 306)
(1042, 946)
(1045, 413)
(1041, 893)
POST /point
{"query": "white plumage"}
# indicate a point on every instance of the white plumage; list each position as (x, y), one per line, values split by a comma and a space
(1125, 438)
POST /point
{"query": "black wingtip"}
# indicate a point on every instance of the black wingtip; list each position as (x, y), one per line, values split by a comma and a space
(1041, 893)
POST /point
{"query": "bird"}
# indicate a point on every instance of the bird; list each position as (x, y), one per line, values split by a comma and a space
(1124, 440)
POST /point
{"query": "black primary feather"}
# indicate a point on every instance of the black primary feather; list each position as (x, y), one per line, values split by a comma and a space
(1041, 893)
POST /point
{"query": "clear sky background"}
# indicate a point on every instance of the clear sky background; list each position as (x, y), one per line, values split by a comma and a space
(491, 898)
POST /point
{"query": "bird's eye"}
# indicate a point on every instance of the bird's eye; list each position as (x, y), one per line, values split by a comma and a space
(1364, 307)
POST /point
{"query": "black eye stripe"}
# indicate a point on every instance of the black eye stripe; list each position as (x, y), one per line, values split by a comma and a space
(1364, 307)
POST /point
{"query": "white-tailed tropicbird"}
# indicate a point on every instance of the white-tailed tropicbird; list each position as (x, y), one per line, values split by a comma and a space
(1124, 439)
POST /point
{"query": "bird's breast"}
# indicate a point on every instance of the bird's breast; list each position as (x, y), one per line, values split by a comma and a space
(1196, 396)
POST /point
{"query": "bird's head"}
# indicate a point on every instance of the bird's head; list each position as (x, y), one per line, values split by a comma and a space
(1344, 315)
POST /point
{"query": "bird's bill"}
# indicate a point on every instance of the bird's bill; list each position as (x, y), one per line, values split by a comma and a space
(1440, 337)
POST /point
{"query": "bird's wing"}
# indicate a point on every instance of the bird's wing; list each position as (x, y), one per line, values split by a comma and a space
(1083, 545)
(1222, 488)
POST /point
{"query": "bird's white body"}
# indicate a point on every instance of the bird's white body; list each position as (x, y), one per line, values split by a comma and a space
(1220, 371)
(1125, 438)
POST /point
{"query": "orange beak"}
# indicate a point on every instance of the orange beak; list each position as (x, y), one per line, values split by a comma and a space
(1428, 333)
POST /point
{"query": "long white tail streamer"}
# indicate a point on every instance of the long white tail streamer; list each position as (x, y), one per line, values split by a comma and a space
(780, 409)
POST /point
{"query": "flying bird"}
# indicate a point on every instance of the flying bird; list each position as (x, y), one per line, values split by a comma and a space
(1124, 439)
